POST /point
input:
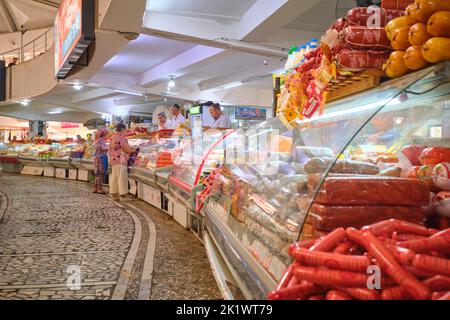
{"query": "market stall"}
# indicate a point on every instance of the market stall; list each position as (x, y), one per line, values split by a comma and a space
(345, 168)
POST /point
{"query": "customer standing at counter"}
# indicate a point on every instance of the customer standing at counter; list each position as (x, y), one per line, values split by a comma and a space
(177, 117)
(118, 160)
(221, 120)
(100, 160)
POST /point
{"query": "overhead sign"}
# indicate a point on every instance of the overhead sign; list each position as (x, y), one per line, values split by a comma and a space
(195, 110)
(249, 113)
(74, 31)
(67, 125)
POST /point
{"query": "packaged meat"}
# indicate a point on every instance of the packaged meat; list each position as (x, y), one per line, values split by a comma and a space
(434, 155)
(441, 176)
(339, 25)
(396, 4)
(328, 218)
(409, 155)
(320, 165)
(391, 172)
(366, 38)
(373, 190)
(356, 60)
(425, 173)
(368, 17)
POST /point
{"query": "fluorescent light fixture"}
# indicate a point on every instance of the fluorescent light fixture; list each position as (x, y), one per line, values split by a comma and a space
(25, 102)
(232, 85)
(133, 93)
(55, 112)
(77, 86)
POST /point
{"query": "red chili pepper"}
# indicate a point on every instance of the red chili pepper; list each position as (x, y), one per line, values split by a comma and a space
(331, 260)
(432, 264)
(298, 292)
(330, 241)
(438, 283)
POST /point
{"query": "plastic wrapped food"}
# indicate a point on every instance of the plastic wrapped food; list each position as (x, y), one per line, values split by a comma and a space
(374, 190)
(409, 155)
(441, 176)
(303, 154)
(357, 60)
(319, 165)
(330, 217)
(364, 16)
(366, 38)
(434, 155)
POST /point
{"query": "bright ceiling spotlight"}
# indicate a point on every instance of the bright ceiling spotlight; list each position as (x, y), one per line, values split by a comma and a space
(25, 102)
(77, 86)
(171, 83)
(103, 116)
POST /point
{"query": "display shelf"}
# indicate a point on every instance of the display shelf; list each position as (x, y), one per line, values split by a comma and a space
(258, 211)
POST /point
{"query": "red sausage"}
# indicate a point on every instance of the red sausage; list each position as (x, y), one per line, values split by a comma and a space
(317, 298)
(403, 255)
(286, 278)
(433, 243)
(445, 296)
(366, 38)
(438, 283)
(293, 282)
(330, 241)
(382, 227)
(355, 60)
(298, 292)
(432, 264)
(395, 293)
(412, 228)
(437, 295)
(343, 247)
(399, 237)
(337, 295)
(331, 277)
(331, 260)
(390, 266)
(361, 15)
(360, 293)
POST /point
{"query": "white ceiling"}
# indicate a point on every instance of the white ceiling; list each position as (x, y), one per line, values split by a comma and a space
(144, 53)
(218, 9)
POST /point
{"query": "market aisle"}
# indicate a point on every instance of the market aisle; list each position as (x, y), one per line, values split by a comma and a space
(52, 228)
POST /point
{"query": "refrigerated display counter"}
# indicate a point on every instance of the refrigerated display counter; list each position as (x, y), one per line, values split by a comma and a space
(198, 157)
(345, 168)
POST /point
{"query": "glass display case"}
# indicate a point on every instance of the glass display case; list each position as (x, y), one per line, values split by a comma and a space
(199, 155)
(155, 160)
(87, 162)
(61, 156)
(350, 167)
(36, 155)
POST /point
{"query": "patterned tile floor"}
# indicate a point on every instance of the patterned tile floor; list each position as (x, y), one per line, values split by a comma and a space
(60, 241)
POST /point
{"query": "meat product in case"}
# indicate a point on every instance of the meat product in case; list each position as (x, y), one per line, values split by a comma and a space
(319, 165)
(366, 38)
(328, 218)
(363, 16)
(373, 191)
(355, 60)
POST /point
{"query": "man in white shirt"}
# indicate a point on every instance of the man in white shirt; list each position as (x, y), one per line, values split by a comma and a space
(164, 123)
(221, 120)
(177, 117)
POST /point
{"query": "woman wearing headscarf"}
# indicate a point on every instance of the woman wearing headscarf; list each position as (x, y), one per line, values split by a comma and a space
(100, 160)
(119, 150)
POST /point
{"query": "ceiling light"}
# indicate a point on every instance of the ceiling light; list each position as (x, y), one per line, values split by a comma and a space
(133, 93)
(232, 85)
(103, 116)
(25, 102)
(171, 83)
(77, 86)
(55, 112)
